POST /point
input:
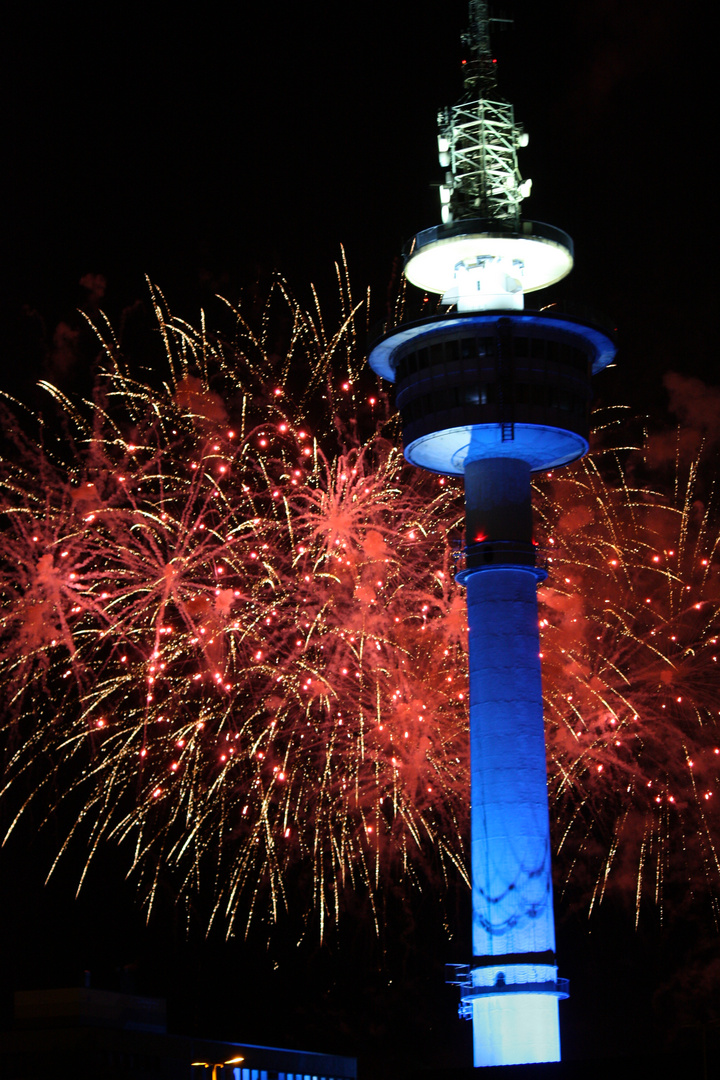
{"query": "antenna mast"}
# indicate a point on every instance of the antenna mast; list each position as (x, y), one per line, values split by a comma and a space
(478, 138)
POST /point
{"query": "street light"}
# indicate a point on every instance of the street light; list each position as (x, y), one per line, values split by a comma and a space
(217, 1065)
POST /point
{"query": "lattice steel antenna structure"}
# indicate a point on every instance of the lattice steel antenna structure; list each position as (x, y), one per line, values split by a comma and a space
(492, 391)
(478, 139)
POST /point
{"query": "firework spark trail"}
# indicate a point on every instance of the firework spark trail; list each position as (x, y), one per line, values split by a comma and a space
(230, 635)
(630, 626)
(231, 625)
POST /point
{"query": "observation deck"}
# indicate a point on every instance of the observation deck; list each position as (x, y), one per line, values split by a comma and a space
(495, 383)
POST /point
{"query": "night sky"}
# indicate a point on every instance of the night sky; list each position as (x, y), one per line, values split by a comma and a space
(206, 150)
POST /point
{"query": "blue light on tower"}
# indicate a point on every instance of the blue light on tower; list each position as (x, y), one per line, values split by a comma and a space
(492, 392)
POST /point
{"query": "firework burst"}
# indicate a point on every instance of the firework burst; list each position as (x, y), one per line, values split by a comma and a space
(231, 639)
(630, 625)
(230, 633)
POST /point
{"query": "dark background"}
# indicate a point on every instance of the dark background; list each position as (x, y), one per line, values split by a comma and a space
(207, 150)
(200, 150)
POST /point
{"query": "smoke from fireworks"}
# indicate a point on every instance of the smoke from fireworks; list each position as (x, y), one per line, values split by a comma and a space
(232, 640)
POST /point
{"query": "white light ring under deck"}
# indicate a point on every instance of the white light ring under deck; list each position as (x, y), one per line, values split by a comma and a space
(431, 267)
(542, 447)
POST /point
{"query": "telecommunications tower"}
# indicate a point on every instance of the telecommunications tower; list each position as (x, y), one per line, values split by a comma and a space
(493, 392)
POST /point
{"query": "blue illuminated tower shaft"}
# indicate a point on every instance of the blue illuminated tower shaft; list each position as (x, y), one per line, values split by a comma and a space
(514, 991)
(493, 396)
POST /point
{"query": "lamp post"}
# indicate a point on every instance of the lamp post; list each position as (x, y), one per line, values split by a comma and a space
(216, 1065)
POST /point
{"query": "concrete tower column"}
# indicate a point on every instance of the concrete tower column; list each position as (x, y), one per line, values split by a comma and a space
(514, 991)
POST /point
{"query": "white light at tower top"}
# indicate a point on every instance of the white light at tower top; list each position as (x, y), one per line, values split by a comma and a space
(484, 270)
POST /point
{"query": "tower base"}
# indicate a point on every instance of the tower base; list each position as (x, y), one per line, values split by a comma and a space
(515, 1029)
